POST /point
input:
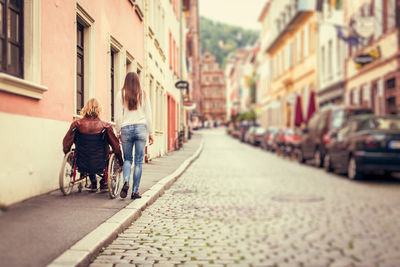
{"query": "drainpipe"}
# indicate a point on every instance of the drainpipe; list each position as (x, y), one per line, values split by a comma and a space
(180, 64)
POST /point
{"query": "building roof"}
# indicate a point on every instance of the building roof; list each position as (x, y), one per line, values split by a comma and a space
(264, 11)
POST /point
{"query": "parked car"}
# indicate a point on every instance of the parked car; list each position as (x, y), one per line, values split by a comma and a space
(267, 141)
(243, 128)
(320, 128)
(287, 140)
(367, 143)
(249, 133)
(256, 135)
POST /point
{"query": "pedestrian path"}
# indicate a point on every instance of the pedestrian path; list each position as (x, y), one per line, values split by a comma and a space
(36, 231)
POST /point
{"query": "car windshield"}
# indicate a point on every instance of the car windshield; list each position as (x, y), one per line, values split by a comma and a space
(380, 123)
(260, 130)
(289, 132)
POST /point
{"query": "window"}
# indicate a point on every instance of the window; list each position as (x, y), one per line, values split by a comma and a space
(298, 47)
(128, 65)
(323, 63)
(170, 50)
(11, 37)
(291, 59)
(112, 84)
(339, 64)
(278, 25)
(391, 83)
(378, 13)
(215, 79)
(84, 58)
(80, 85)
(330, 60)
(391, 14)
(306, 39)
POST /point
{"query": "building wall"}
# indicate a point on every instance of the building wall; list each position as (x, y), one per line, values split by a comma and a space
(330, 56)
(294, 70)
(213, 89)
(371, 85)
(36, 124)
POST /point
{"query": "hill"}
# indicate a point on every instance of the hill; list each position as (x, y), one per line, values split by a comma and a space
(220, 39)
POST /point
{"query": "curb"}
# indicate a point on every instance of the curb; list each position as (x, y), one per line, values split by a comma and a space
(82, 252)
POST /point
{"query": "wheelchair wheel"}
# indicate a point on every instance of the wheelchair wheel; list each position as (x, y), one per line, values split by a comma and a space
(66, 178)
(114, 178)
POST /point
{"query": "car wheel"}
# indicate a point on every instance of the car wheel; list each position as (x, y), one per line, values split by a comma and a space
(353, 172)
(328, 163)
(300, 156)
(317, 159)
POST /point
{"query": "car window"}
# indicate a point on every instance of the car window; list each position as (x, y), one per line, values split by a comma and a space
(260, 130)
(322, 121)
(344, 131)
(338, 118)
(380, 124)
(312, 125)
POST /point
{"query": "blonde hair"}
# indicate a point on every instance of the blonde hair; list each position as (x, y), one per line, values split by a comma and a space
(91, 109)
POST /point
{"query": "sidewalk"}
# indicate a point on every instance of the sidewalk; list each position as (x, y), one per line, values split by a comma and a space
(37, 231)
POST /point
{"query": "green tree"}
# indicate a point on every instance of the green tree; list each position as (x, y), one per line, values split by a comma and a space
(220, 39)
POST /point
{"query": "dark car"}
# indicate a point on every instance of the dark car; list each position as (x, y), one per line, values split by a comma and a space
(267, 140)
(367, 143)
(320, 128)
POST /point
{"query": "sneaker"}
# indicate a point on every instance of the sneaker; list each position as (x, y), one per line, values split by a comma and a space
(103, 185)
(124, 190)
(93, 187)
(135, 195)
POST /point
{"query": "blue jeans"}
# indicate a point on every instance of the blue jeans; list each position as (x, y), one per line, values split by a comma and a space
(133, 135)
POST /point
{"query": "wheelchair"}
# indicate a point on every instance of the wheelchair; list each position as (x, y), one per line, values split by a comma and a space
(90, 156)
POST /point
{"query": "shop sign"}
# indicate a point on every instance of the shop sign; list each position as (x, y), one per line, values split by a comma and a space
(367, 58)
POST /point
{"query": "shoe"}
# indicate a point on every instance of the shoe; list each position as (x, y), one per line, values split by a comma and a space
(124, 190)
(93, 187)
(135, 195)
(103, 185)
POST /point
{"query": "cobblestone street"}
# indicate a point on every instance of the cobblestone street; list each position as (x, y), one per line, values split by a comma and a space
(239, 205)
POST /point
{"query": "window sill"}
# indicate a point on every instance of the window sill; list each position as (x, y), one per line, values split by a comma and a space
(19, 86)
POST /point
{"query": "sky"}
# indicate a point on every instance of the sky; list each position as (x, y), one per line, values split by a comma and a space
(242, 13)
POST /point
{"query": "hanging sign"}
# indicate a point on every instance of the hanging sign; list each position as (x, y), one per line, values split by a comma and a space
(367, 58)
(364, 26)
(182, 85)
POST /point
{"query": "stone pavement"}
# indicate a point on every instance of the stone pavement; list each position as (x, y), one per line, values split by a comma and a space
(240, 206)
(55, 222)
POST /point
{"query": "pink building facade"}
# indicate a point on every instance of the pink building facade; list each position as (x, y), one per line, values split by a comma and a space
(68, 52)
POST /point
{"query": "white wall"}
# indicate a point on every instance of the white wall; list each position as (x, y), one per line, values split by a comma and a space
(31, 156)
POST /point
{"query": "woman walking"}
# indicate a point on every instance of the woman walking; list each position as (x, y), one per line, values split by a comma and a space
(133, 122)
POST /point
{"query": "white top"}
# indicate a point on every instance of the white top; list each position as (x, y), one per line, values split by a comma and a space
(124, 116)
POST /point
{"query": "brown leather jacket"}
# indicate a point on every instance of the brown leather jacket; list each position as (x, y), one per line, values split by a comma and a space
(92, 126)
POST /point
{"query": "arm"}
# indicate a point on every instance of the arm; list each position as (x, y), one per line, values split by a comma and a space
(118, 112)
(113, 141)
(69, 138)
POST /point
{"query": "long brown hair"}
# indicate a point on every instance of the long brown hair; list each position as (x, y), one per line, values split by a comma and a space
(132, 92)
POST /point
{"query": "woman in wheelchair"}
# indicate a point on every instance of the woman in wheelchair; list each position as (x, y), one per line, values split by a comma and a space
(92, 138)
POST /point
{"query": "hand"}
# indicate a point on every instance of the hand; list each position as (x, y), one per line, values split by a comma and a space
(119, 168)
(151, 140)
